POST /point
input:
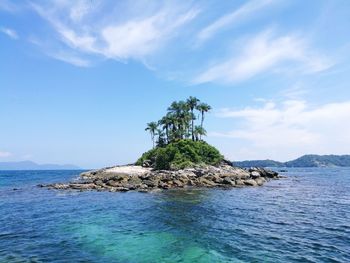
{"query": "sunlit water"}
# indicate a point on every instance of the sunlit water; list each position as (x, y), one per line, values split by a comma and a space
(303, 218)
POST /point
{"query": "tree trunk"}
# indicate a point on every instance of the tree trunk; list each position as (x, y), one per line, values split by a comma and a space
(202, 120)
(167, 134)
(192, 124)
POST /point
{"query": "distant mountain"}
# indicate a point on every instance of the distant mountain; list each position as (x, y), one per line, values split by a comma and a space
(310, 160)
(320, 161)
(28, 165)
(259, 163)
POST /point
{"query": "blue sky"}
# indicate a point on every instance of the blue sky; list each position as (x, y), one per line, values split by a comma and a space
(80, 79)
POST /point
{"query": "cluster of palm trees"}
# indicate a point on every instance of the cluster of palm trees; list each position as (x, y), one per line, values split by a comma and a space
(179, 122)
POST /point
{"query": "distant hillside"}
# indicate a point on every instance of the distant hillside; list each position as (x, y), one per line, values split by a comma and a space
(259, 163)
(28, 165)
(320, 161)
(311, 160)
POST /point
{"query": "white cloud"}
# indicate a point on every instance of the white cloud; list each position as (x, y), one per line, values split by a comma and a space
(5, 154)
(157, 34)
(295, 92)
(71, 59)
(290, 129)
(244, 11)
(139, 38)
(9, 32)
(7, 6)
(263, 53)
(134, 37)
(81, 8)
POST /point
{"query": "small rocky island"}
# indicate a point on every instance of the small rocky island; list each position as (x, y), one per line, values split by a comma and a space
(143, 179)
(180, 158)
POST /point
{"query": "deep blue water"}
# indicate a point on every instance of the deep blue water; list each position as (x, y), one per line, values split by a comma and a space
(303, 218)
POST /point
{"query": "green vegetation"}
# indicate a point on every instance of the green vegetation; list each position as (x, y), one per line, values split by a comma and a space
(177, 139)
(313, 160)
(259, 163)
(310, 160)
(179, 123)
(181, 154)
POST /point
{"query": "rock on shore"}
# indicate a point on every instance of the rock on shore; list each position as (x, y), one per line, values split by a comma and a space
(131, 177)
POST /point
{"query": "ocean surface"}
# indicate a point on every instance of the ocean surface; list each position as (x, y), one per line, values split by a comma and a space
(302, 218)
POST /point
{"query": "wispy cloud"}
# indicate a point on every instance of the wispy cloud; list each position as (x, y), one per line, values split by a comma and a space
(158, 34)
(71, 59)
(134, 37)
(9, 32)
(8, 6)
(297, 91)
(263, 53)
(291, 128)
(4, 154)
(81, 8)
(241, 13)
(139, 38)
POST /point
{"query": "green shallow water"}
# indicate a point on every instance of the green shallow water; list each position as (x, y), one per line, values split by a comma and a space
(304, 218)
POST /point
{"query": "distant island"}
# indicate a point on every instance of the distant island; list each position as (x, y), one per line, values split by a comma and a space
(309, 160)
(29, 165)
(179, 158)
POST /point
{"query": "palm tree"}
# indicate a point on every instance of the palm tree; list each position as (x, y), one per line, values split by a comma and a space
(179, 110)
(179, 122)
(161, 142)
(173, 112)
(152, 128)
(203, 107)
(199, 132)
(166, 122)
(183, 118)
(192, 103)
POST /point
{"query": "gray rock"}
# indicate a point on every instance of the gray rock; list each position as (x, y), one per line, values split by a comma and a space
(254, 174)
(164, 185)
(134, 180)
(191, 182)
(227, 180)
(81, 186)
(178, 183)
(260, 180)
(150, 183)
(239, 182)
(200, 176)
(218, 180)
(206, 182)
(250, 182)
(99, 182)
(147, 163)
(112, 183)
(122, 189)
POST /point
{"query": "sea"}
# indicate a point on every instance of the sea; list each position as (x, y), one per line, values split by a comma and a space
(304, 217)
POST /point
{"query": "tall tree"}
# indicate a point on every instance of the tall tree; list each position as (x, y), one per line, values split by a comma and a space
(166, 122)
(178, 111)
(152, 128)
(179, 122)
(199, 132)
(192, 103)
(203, 108)
(161, 142)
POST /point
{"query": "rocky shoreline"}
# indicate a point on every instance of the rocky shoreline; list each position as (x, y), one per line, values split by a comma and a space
(143, 179)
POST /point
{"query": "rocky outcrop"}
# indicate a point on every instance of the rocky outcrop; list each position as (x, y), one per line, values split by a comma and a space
(130, 177)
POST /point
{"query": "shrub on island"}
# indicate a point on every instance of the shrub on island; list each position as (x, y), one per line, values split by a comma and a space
(177, 138)
(181, 154)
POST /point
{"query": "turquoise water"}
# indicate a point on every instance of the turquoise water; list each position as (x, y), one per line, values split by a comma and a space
(303, 218)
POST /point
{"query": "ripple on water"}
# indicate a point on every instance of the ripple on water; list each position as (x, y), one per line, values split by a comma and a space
(303, 218)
